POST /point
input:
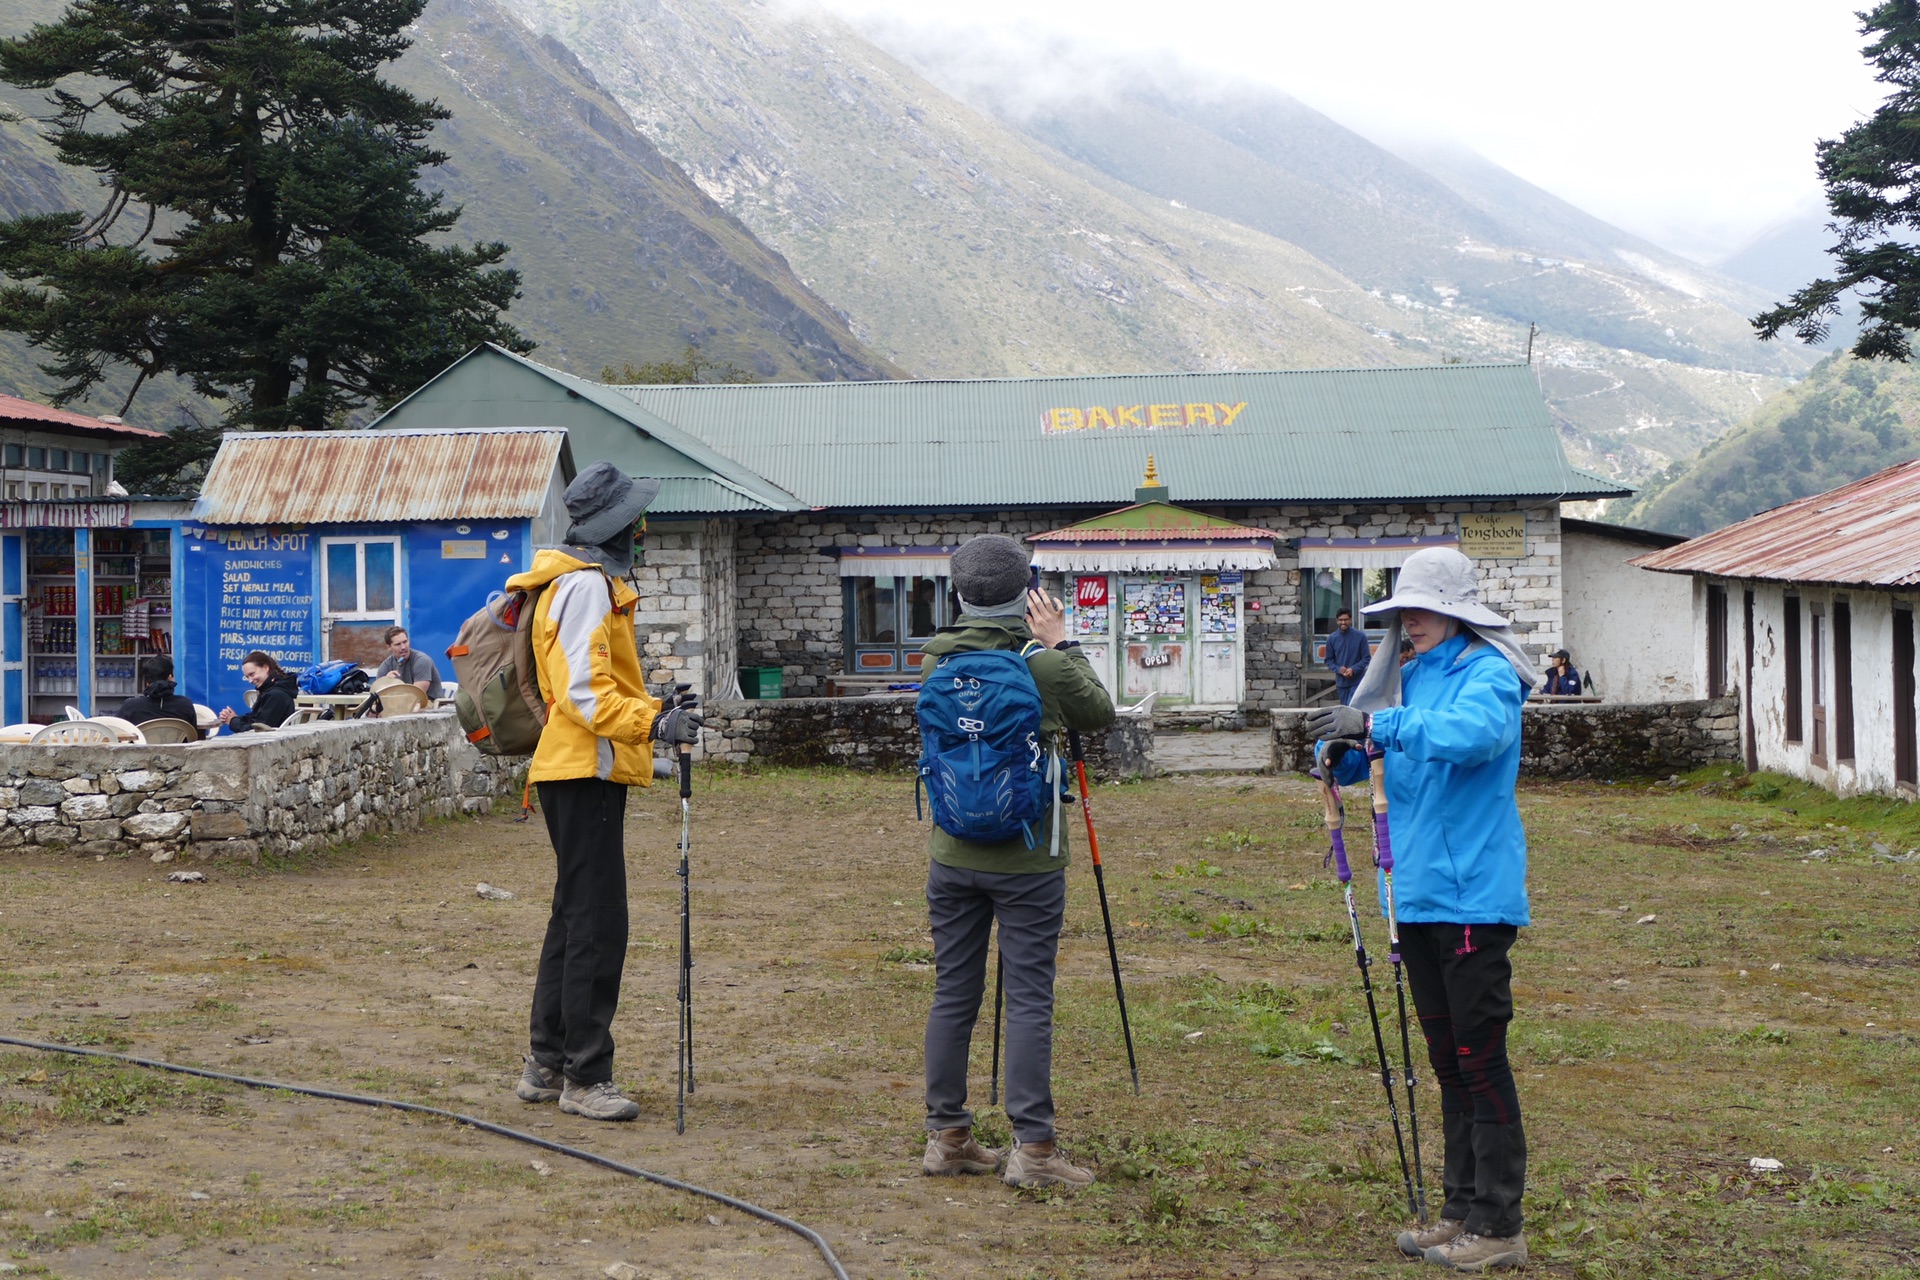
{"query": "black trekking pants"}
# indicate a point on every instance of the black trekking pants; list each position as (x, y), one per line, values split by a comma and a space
(578, 986)
(1462, 982)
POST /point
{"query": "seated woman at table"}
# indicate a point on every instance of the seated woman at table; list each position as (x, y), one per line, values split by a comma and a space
(274, 701)
(160, 701)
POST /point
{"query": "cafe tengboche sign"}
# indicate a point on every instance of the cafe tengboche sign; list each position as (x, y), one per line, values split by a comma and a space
(1494, 535)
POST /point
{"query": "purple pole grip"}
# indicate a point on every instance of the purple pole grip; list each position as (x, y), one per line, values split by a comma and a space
(1340, 867)
(1382, 843)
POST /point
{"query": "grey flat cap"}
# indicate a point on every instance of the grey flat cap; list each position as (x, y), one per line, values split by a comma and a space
(603, 500)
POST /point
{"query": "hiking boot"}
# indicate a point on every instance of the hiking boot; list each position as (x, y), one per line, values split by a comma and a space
(1415, 1242)
(1470, 1252)
(953, 1151)
(602, 1101)
(537, 1083)
(1040, 1164)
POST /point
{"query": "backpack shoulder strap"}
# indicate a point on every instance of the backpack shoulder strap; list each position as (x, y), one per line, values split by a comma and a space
(1030, 648)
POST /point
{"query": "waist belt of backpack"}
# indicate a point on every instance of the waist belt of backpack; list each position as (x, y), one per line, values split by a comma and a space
(1055, 779)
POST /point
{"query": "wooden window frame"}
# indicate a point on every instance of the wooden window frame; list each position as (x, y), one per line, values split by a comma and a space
(1906, 736)
(1818, 718)
(1716, 641)
(1843, 747)
(1794, 720)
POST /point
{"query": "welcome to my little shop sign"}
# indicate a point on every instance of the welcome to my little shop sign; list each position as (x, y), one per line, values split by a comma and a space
(1497, 535)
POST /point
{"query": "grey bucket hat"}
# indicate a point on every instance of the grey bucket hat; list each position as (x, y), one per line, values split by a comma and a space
(603, 500)
(1439, 580)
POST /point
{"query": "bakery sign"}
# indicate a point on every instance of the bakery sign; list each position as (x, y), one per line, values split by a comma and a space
(1138, 417)
(1494, 535)
(65, 515)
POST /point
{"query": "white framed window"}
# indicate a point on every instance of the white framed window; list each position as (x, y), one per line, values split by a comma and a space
(360, 577)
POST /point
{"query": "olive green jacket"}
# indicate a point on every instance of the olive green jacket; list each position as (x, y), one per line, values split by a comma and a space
(1071, 697)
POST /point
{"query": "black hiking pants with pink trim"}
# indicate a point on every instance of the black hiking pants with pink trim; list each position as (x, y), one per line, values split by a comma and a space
(1462, 982)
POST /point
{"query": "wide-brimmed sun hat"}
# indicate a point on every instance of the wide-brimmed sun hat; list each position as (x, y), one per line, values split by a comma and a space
(603, 501)
(1439, 580)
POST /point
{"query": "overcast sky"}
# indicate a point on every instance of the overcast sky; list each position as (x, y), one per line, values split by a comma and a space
(1691, 122)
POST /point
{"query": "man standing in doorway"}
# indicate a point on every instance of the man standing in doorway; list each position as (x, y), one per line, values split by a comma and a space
(1347, 655)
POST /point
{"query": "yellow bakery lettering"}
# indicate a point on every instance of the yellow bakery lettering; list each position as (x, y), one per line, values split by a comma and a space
(1163, 415)
(1065, 419)
(1198, 414)
(1098, 416)
(1230, 412)
(1129, 415)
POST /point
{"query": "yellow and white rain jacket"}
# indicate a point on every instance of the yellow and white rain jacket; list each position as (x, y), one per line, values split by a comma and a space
(599, 714)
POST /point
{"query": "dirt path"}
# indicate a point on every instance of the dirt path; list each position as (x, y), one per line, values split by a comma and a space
(377, 969)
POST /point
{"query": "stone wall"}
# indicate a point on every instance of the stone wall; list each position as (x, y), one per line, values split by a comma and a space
(876, 732)
(1586, 740)
(282, 792)
(791, 612)
(682, 573)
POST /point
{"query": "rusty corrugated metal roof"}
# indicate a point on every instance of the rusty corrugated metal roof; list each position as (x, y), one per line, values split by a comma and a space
(1861, 533)
(1148, 522)
(365, 477)
(18, 412)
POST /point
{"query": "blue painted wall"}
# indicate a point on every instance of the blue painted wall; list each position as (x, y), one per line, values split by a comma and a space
(258, 588)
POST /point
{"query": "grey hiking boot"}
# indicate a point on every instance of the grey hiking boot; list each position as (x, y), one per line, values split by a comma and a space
(951, 1151)
(1040, 1164)
(1416, 1241)
(1470, 1252)
(537, 1083)
(602, 1101)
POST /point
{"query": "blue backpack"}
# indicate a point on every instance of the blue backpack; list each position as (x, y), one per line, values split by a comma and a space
(326, 676)
(982, 763)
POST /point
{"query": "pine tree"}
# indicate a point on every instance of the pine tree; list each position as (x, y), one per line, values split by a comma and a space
(263, 232)
(1872, 176)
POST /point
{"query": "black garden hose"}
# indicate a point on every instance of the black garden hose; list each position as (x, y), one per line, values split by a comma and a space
(806, 1233)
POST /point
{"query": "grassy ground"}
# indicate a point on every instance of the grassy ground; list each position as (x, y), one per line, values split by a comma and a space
(1717, 971)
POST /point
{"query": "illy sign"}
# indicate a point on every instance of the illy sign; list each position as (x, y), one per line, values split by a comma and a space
(1090, 593)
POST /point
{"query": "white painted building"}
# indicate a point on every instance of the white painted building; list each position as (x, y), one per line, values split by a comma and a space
(1807, 613)
(1629, 630)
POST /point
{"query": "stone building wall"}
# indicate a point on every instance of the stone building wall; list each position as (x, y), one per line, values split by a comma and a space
(718, 654)
(237, 797)
(791, 611)
(685, 577)
(877, 732)
(1596, 742)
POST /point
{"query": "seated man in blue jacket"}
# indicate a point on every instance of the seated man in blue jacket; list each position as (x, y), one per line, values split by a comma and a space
(1449, 725)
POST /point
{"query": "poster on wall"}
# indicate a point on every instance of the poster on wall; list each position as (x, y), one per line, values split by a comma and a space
(1091, 611)
(1219, 604)
(1157, 608)
(248, 589)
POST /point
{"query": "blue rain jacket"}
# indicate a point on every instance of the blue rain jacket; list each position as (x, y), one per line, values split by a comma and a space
(1453, 755)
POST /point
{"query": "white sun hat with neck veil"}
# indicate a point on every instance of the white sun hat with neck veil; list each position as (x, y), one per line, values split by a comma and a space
(1439, 580)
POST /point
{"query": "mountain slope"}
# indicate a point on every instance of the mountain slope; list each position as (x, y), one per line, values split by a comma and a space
(621, 256)
(958, 247)
(1848, 419)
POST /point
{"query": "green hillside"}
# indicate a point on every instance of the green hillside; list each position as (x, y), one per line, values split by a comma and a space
(622, 258)
(1848, 419)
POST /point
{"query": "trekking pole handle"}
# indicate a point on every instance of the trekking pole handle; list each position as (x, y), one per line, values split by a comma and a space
(1382, 840)
(1073, 747)
(686, 770)
(1335, 812)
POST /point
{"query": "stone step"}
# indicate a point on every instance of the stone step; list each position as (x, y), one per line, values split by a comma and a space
(1214, 751)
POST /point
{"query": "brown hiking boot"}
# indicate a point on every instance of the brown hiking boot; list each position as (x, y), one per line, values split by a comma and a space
(1470, 1252)
(951, 1151)
(1415, 1242)
(602, 1101)
(537, 1083)
(1040, 1164)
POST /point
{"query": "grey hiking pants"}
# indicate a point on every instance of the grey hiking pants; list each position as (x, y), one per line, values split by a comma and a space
(962, 906)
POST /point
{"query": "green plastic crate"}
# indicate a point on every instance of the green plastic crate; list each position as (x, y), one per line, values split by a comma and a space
(760, 682)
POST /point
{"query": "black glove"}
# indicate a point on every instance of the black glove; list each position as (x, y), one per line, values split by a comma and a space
(1337, 722)
(679, 725)
(1335, 751)
(682, 696)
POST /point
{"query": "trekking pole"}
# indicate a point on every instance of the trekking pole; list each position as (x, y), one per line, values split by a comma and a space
(685, 1085)
(1337, 855)
(1106, 914)
(1383, 858)
(999, 993)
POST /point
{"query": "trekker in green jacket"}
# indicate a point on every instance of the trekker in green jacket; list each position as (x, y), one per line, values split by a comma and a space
(971, 884)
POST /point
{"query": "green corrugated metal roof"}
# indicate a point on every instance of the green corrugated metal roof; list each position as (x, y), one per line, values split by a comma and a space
(1440, 431)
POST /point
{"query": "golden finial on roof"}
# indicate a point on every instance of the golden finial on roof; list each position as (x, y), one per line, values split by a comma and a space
(1152, 489)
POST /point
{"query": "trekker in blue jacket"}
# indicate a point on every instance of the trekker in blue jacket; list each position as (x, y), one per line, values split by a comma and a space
(1449, 723)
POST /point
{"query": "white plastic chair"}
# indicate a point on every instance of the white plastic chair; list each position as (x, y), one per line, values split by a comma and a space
(76, 733)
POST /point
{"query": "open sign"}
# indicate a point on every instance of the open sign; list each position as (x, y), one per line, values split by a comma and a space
(1090, 593)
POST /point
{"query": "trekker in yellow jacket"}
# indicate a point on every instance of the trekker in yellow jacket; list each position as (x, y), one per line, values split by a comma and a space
(601, 724)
